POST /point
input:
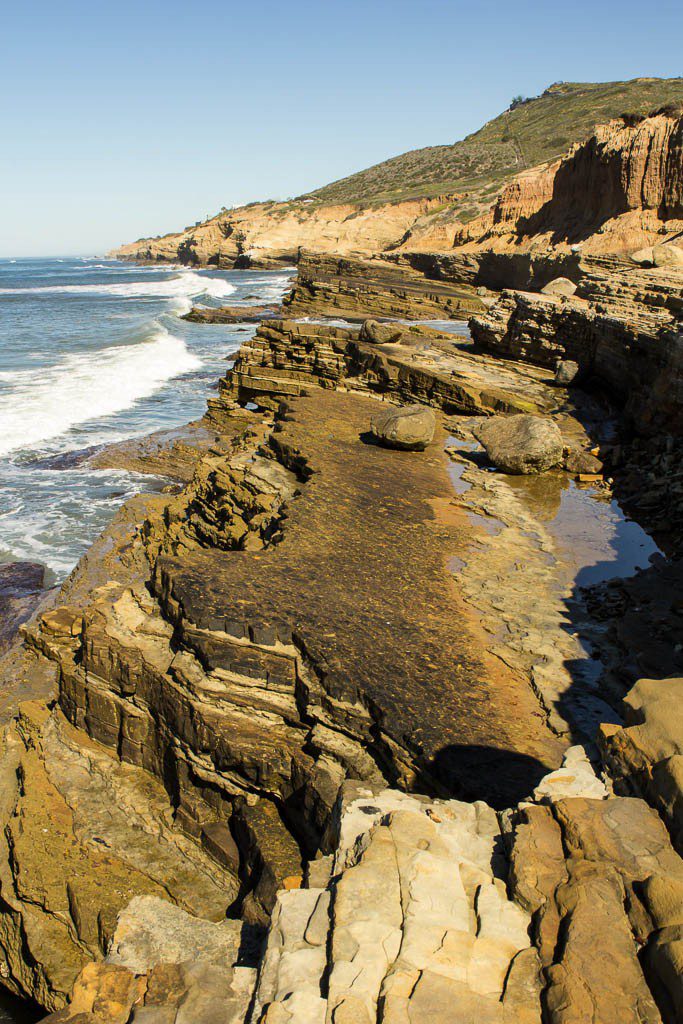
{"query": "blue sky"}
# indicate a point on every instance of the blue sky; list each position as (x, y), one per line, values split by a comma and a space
(126, 119)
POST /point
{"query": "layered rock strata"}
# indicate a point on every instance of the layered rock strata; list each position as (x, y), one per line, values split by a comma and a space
(82, 834)
(622, 327)
(356, 289)
(271, 234)
(623, 330)
(618, 191)
(242, 681)
(286, 623)
(284, 358)
(429, 910)
(645, 755)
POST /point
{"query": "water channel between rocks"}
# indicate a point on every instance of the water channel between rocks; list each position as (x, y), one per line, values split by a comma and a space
(540, 540)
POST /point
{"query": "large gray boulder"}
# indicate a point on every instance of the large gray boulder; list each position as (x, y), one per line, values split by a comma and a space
(521, 444)
(410, 428)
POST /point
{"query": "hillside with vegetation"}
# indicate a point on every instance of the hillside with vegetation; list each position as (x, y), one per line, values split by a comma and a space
(530, 132)
(422, 199)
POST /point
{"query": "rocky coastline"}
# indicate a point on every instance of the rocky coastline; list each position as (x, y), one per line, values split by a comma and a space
(330, 729)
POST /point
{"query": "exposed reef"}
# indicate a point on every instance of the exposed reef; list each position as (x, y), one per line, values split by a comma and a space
(333, 729)
(227, 657)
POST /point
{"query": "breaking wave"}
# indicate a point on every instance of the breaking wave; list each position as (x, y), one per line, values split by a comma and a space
(88, 386)
(184, 285)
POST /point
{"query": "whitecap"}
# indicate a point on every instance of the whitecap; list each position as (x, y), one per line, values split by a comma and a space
(87, 387)
(184, 285)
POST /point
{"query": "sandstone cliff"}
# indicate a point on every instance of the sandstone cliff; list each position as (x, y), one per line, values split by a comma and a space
(620, 190)
(268, 234)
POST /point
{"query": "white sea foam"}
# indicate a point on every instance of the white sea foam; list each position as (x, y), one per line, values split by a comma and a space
(87, 387)
(182, 286)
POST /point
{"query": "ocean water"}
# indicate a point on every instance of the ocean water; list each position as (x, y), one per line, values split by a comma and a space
(92, 351)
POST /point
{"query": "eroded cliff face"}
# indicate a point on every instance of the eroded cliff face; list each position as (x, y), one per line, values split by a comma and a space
(620, 190)
(268, 234)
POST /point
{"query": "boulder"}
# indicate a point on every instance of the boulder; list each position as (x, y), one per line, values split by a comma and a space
(410, 428)
(566, 372)
(521, 444)
(560, 286)
(667, 255)
(379, 334)
(579, 461)
(643, 257)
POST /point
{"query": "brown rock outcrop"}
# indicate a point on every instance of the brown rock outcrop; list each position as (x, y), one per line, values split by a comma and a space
(285, 356)
(431, 910)
(645, 757)
(592, 873)
(355, 289)
(620, 190)
(81, 835)
(622, 327)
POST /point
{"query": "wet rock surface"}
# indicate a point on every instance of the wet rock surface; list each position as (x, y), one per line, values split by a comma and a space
(231, 314)
(21, 589)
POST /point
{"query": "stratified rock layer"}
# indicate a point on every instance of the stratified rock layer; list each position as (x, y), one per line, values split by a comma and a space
(355, 289)
(622, 327)
(427, 911)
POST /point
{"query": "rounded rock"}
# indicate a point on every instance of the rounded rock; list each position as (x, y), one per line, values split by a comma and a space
(410, 428)
(379, 334)
(560, 286)
(667, 255)
(566, 372)
(521, 444)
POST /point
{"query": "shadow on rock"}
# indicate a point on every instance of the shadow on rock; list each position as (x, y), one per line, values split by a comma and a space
(499, 776)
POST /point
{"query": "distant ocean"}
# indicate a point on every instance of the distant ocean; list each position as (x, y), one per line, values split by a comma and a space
(92, 351)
